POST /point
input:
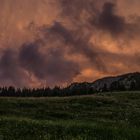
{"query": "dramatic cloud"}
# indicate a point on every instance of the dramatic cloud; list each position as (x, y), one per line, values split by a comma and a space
(56, 42)
(52, 67)
(32, 60)
(10, 72)
(109, 21)
(75, 43)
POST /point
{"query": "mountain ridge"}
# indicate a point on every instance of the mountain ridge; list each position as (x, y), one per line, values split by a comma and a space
(128, 81)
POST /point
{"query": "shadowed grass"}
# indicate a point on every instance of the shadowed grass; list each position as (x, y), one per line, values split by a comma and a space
(106, 116)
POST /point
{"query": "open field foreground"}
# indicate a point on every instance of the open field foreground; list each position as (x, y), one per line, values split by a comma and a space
(108, 116)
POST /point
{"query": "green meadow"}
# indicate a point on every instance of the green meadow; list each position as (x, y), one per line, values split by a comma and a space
(104, 116)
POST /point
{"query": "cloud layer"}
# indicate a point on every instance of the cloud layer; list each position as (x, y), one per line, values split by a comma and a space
(50, 42)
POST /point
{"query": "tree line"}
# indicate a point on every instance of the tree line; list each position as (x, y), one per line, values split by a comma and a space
(73, 89)
(42, 92)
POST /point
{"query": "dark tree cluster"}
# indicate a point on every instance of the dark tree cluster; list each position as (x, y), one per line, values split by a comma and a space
(44, 92)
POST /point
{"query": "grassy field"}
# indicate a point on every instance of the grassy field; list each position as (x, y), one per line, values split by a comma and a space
(108, 116)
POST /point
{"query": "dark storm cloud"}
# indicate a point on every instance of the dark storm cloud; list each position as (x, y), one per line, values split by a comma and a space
(58, 30)
(101, 15)
(59, 68)
(109, 21)
(117, 25)
(76, 43)
(74, 8)
(47, 37)
(32, 60)
(51, 66)
(10, 72)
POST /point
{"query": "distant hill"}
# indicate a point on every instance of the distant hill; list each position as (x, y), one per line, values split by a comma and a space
(130, 81)
(126, 82)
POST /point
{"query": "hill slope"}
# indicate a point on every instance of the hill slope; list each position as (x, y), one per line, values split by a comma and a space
(130, 81)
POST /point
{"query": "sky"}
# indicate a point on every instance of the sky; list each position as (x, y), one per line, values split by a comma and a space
(57, 42)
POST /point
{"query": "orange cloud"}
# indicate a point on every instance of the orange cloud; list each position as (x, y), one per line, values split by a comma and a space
(49, 42)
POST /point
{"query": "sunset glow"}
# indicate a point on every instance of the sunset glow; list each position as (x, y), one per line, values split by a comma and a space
(57, 42)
